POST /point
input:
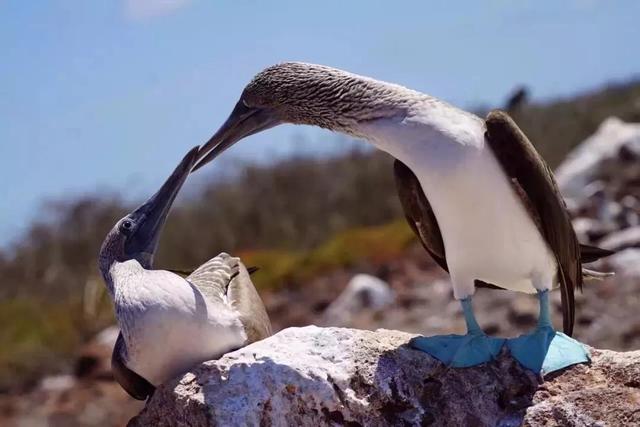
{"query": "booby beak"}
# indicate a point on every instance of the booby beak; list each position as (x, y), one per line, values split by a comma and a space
(242, 122)
(151, 216)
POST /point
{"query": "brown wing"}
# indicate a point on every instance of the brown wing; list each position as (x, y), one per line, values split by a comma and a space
(244, 298)
(418, 212)
(421, 218)
(132, 383)
(227, 276)
(534, 183)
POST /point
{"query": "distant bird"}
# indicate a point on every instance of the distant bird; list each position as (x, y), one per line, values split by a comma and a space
(517, 99)
(481, 199)
(169, 323)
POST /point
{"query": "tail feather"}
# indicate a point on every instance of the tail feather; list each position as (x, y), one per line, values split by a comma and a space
(596, 275)
(592, 253)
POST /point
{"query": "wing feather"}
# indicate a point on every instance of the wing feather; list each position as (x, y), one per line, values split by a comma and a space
(226, 280)
(537, 188)
(137, 387)
(419, 213)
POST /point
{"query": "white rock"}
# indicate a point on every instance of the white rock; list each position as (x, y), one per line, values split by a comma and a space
(584, 226)
(362, 292)
(575, 172)
(626, 263)
(57, 383)
(334, 376)
(107, 337)
(623, 239)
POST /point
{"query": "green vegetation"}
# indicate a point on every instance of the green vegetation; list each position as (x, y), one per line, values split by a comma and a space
(295, 219)
(32, 329)
(371, 245)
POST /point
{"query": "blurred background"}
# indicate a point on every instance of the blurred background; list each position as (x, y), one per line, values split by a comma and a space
(100, 100)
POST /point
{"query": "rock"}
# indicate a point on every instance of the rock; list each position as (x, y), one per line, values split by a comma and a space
(609, 395)
(524, 312)
(623, 239)
(331, 376)
(86, 403)
(56, 383)
(363, 292)
(600, 180)
(613, 135)
(626, 264)
(589, 229)
(94, 358)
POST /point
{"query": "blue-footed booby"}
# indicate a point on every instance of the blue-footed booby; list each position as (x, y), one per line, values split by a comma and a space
(169, 323)
(480, 198)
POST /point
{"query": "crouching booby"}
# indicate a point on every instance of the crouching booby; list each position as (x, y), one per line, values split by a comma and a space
(481, 199)
(169, 323)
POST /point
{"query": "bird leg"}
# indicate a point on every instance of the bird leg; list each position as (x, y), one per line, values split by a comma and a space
(544, 350)
(461, 351)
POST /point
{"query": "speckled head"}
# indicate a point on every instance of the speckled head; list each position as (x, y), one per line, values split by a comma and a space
(310, 94)
(136, 235)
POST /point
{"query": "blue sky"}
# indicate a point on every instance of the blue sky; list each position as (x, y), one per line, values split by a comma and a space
(108, 95)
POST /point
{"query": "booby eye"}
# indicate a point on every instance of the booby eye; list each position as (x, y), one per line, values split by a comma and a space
(244, 102)
(126, 226)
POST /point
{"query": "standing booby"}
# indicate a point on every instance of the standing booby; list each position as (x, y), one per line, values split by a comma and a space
(489, 202)
(169, 323)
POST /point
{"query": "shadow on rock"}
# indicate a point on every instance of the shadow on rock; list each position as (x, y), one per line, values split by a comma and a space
(419, 390)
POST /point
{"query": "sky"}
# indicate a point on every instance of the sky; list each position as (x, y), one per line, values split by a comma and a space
(106, 96)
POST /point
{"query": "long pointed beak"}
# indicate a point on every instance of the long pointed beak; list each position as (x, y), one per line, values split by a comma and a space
(151, 216)
(243, 121)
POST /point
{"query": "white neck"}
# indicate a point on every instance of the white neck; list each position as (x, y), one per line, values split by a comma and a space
(427, 135)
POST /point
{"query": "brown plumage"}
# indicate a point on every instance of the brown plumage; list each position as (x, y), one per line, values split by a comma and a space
(528, 171)
(326, 97)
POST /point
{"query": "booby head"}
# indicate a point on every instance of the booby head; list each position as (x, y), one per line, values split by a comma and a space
(136, 235)
(309, 94)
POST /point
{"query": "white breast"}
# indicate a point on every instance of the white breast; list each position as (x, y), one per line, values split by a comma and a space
(487, 233)
(169, 326)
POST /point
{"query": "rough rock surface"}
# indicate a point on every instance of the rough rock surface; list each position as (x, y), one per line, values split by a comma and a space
(333, 376)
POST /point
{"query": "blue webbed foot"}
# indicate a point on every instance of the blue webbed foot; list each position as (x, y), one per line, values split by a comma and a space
(545, 350)
(531, 349)
(564, 351)
(460, 351)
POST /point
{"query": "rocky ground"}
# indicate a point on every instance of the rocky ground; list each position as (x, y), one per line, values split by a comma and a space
(337, 376)
(601, 180)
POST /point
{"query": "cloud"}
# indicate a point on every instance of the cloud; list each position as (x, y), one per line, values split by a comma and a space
(138, 10)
